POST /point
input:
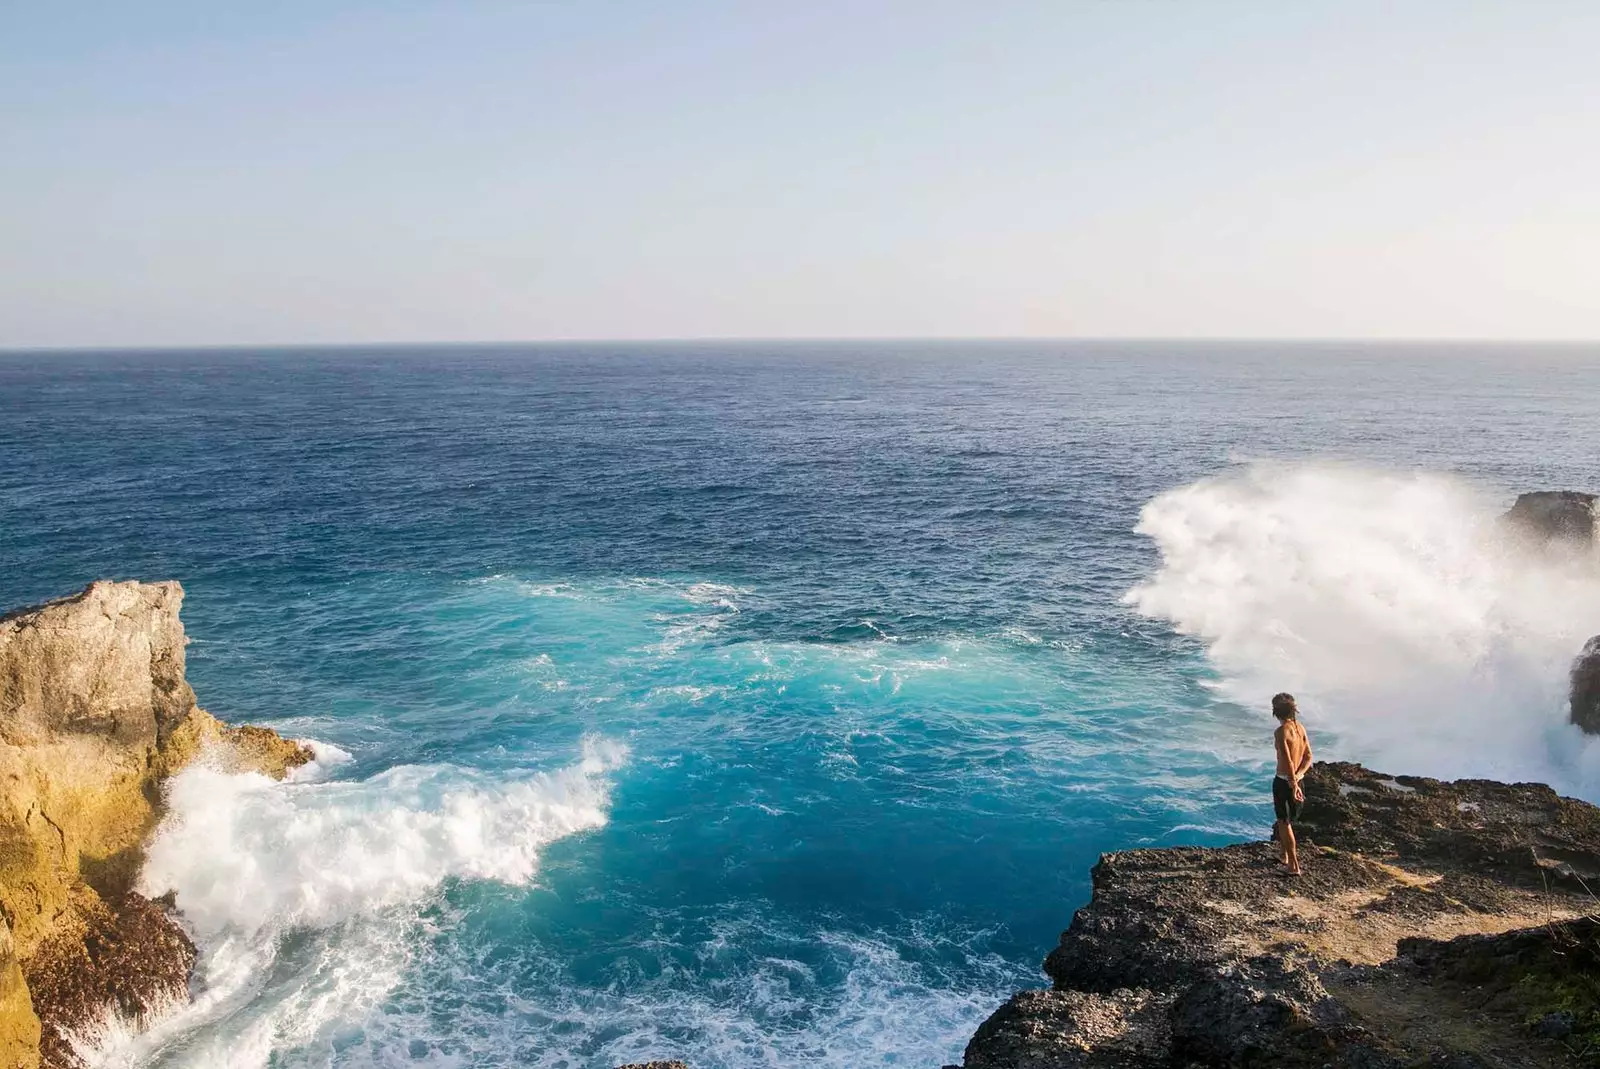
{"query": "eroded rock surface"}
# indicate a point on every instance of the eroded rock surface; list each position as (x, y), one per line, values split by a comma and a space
(95, 712)
(1412, 888)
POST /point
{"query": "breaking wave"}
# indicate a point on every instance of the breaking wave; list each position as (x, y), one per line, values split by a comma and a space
(304, 897)
(1393, 604)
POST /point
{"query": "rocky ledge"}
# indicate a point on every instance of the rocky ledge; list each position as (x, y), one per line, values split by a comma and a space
(95, 712)
(1448, 925)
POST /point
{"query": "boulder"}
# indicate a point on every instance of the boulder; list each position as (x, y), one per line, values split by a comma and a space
(1555, 516)
(1585, 688)
(95, 711)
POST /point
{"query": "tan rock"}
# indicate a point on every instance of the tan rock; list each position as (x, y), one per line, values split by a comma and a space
(95, 712)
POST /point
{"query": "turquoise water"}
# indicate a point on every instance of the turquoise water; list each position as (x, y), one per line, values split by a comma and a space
(767, 705)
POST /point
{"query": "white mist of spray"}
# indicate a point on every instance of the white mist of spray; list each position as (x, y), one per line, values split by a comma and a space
(1392, 604)
(341, 866)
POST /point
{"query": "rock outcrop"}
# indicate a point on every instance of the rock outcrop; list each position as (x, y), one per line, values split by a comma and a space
(1555, 516)
(95, 712)
(1437, 924)
(1585, 688)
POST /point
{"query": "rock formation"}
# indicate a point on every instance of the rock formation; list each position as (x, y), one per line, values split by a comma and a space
(94, 713)
(1437, 924)
(1585, 688)
(1555, 516)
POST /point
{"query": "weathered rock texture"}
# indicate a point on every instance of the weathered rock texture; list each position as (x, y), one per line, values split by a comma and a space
(1437, 924)
(94, 713)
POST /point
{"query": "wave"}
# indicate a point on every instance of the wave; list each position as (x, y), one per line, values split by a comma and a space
(753, 991)
(1392, 604)
(313, 888)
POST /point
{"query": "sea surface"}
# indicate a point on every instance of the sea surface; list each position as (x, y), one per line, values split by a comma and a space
(767, 704)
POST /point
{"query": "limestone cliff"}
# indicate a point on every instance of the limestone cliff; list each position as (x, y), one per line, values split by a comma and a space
(95, 712)
(1437, 924)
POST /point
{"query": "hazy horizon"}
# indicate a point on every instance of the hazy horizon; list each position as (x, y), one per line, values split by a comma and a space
(512, 343)
(390, 175)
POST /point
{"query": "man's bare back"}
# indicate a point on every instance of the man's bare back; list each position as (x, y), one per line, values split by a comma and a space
(1294, 761)
(1294, 753)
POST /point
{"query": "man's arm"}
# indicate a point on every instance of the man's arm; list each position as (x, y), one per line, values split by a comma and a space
(1302, 765)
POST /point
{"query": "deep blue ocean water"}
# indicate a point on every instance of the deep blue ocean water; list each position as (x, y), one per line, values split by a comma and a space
(757, 704)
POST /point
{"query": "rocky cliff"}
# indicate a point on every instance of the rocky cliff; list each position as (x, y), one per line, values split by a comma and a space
(94, 713)
(1437, 924)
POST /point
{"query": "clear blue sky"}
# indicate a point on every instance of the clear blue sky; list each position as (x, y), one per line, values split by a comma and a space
(305, 172)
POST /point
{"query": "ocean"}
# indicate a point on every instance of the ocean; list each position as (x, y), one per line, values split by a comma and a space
(767, 704)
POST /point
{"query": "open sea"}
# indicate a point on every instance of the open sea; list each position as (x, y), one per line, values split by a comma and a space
(767, 704)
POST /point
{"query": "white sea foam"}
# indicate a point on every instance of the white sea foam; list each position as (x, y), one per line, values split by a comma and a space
(1392, 604)
(338, 869)
(879, 1005)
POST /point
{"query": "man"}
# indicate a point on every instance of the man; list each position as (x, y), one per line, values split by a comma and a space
(1294, 761)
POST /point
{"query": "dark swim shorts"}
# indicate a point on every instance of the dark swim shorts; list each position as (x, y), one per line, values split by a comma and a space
(1283, 804)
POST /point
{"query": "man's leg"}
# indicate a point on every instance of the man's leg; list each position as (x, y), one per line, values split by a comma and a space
(1290, 849)
(1277, 841)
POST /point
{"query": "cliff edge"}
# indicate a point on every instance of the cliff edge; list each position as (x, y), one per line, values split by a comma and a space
(1449, 925)
(95, 712)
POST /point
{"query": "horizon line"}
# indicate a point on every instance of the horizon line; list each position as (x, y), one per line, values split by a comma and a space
(1203, 339)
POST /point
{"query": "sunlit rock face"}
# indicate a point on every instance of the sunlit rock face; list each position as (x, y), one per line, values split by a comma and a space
(95, 711)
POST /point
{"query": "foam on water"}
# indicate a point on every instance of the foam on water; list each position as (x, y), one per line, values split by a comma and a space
(1393, 604)
(303, 896)
(741, 996)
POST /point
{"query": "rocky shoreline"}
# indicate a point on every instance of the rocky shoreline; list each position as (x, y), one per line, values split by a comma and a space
(1437, 924)
(95, 714)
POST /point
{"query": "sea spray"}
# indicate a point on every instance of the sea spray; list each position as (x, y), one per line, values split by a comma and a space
(1393, 604)
(308, 891)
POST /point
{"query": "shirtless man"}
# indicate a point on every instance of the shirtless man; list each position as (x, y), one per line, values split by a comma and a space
(1294, 761)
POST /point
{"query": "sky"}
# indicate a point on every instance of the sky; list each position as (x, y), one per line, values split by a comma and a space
(195, 174)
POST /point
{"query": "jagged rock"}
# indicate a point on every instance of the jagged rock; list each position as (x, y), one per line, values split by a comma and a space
(129, 958)
(1074, 1030)
(1559, 516)
(94, 712)
(654, 1065)
(1245, 966)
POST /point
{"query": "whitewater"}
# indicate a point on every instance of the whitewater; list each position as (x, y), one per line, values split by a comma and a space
(1424, 632)
(767, 705)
